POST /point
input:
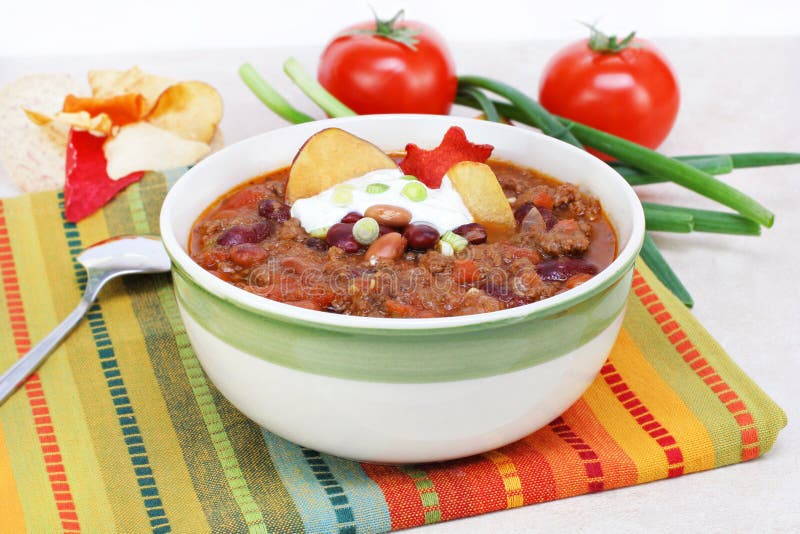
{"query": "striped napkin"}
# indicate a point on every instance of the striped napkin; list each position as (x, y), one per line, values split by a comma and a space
(122, 431)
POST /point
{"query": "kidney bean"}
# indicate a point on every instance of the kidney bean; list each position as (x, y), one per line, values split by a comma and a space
(421, 236)
(245, 233)
(394, 216)
(352, 217)
(274, 210)
(383, 229)
(389, 246)
(341, 235)
(247, 254)
(561, 269)
(475, 233)
(315, 243)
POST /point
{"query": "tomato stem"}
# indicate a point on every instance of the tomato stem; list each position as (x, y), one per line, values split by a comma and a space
(387, 28)
(607, 44)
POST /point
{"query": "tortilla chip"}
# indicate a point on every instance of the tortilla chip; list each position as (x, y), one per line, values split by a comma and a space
(34, 155)
(329, 157)
(108, 83)
(142, 146)
(81, 120)
(483, 196)
(121, 109)
(190, 109)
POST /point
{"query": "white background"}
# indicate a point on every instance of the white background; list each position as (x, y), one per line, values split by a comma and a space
(106, 26)
(739, 67)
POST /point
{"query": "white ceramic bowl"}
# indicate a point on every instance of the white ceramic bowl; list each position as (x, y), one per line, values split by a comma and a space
(401, 390)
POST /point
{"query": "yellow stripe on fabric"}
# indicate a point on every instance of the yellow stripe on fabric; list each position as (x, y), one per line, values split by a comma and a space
(10, 506)
(645, 453)
(150, 408)
(54, 300)
(200, 387)
(666, 406)
(769, 417)
(508, 472)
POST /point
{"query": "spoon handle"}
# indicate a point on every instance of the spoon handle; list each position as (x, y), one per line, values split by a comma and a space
(26, 365)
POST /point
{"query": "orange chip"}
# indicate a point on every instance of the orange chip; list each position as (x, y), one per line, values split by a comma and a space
(121, 109)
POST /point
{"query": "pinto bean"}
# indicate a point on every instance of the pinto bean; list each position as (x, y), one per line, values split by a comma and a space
(394, 216)
(388, 246)
(247, 254)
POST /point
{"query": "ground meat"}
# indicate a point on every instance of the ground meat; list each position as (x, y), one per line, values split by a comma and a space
(481, 278)
(575, 204)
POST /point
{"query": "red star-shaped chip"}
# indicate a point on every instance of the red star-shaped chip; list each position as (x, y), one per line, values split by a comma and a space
(430, 166)
(88, 187)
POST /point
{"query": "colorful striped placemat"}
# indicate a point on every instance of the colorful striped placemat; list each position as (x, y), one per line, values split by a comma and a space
(122, 431)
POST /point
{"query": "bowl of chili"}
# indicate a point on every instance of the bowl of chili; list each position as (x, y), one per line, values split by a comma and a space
(376, 382)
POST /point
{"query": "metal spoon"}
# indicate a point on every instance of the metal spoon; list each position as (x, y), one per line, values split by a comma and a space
(118, 256)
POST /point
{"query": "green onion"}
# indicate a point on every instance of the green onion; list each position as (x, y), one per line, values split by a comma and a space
(408, 177)
(711, 164)
(415, 191)
(653, 163)
(366, 230)
(703, 220)
(483, 101)
(677, 171)
(445, 248)
(377, 188)
(456, 241)
(653, 258)
(342, 196)
(270, 97)
(321, 233)
(532, 110)
(313, 90)
(764, 159)
(661, 221)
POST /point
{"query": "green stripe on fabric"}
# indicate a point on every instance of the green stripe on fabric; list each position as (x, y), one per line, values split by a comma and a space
(427, 493)
(708, 404)
(703, 402)
(105, 348)
(137, 220)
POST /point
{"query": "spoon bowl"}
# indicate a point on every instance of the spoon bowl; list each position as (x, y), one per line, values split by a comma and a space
(103, 261)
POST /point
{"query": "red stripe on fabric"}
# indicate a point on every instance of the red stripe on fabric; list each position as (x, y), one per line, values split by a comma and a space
(538, 481)
(591, 465)
(401, 495)
(37, 399)
(639, 412)
(708, 374)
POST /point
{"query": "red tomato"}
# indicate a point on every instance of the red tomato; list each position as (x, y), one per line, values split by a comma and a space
(390, 67)
(625, 88)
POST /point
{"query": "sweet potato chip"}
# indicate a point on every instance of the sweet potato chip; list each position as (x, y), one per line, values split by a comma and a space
(483, 196)
(121, 109)
(329, 157)
(144, 147)
(108, 83)
(190, 109)
(80, 120)
(429, 166)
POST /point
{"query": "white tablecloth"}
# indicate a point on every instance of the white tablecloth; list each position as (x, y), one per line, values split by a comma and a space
(737, 95)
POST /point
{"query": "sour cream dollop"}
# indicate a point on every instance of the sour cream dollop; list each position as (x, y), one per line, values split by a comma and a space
(442, 208)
